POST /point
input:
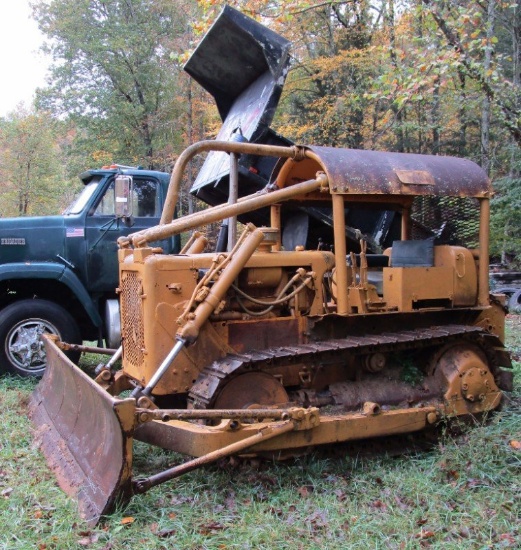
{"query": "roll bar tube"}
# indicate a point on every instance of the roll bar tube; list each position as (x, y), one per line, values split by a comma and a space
(263, 198)
(224, 146)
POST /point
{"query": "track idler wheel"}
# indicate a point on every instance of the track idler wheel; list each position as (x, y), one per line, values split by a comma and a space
(470, 386)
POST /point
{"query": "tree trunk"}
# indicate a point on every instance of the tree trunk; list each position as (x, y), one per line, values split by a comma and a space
(485, 113)
(190, 135)
(398, 113)
(462, 144)
(516, 81)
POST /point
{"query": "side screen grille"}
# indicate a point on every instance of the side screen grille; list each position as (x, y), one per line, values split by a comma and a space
(132, 318)
(451, 220)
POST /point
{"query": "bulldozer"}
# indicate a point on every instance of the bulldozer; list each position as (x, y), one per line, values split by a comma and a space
(280, 343)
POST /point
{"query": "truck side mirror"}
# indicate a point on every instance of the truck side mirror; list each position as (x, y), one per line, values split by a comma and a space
(123, 197)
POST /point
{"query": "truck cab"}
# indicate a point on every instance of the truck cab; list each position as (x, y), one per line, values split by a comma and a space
(58, 274)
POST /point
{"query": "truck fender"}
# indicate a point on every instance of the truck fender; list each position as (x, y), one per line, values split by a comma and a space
(58, 272)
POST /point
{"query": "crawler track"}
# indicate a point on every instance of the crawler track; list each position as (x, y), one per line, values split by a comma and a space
(214, 377)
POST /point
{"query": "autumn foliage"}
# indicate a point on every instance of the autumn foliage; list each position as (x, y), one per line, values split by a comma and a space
(422, 76)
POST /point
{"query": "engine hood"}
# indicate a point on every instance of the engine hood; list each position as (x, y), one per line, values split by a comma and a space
(33, 239)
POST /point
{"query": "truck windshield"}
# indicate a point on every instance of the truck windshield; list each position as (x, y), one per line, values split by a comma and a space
(79, 203)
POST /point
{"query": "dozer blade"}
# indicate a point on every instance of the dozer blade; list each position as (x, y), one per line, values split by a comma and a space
(85, 435)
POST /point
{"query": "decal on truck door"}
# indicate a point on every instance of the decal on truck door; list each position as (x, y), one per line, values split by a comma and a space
(75, 232)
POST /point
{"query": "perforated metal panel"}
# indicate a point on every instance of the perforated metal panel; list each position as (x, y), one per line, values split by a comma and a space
(451, 220)
(132, 330)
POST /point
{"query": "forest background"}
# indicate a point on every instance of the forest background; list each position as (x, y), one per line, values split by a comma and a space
(420, 76)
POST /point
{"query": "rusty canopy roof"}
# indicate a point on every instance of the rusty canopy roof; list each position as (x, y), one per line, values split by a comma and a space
(360, 172)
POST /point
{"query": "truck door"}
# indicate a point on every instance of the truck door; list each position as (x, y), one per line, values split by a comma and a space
(103, 230)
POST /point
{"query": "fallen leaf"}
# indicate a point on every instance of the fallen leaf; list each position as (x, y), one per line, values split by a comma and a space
(88, 540)
(305, 490)
(318, 520)
(379, 504)
(127, 520)
(180, 499)
(422, 535)
(452, 476)
(464, 532)
(402, 504)
(472, 483)
(267, 480)
(172, 515)
(341, 495)
(38, 514)
(231, 503)
(209, 528)
(507, 538)
(166, 533)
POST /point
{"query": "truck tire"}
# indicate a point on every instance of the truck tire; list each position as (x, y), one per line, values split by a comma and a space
(21, 325)
(514, 304)
(508, 291)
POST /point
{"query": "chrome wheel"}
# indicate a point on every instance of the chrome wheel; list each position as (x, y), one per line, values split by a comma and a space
(24, 345)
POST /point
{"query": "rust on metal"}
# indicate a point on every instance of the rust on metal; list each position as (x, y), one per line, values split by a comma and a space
(87, 349)
(84, 433)
(199, 440)
(362, 172)
(165, 415)
(268, 432)
(415, 177)
(251, 389)
(279, 345)
(347, 171)
(242, 338)
(216, 375)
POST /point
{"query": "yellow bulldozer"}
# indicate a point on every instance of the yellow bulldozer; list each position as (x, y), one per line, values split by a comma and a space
(287, 339)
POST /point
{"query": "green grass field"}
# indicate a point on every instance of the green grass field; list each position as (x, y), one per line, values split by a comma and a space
(462, 493)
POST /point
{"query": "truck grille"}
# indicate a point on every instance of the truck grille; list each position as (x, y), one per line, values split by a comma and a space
(132, 318)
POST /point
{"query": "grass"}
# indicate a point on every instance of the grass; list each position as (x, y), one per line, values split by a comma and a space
(465, 493)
